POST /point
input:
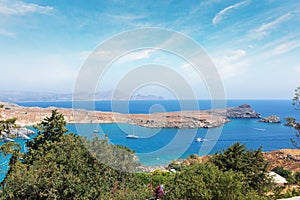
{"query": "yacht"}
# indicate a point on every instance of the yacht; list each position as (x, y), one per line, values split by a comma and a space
(132, 136)
(200, 139)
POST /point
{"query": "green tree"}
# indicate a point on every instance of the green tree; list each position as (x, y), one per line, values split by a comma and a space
(250, 163)
(7, 125)
(208, 182)
(296, 99)
(291, 121)
(297, 177)
(59, 166)
(51, 129)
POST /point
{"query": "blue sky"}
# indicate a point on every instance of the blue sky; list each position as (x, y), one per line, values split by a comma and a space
(254, 44)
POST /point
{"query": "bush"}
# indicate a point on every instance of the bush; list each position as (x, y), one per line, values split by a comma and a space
(250, 163)
(206, 181)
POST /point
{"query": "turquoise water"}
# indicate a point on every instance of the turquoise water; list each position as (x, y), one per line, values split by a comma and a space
(160, 146)
(249, 131)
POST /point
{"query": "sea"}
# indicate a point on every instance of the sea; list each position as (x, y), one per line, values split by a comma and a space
(156, 147)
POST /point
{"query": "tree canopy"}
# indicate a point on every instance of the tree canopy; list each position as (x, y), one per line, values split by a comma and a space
(59, 166)
(250, 163)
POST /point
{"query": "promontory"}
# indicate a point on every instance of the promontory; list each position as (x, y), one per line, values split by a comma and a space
(27, 116)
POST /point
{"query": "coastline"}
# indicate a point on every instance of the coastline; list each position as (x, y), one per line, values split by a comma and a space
(28, 116)
(289, 159)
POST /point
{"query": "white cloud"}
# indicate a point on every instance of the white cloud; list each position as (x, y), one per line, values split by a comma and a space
(12, 7)
(265, 29)
(219, 17)
(6, 33)
(232, 64)
(286, 47)
(136, 55)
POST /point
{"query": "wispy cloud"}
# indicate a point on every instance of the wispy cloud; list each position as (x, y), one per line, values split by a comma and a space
(219, 17)
(285, 47)
(231, 64)
(12, 7)
(265, 29)
(124, 19)
(6, 33)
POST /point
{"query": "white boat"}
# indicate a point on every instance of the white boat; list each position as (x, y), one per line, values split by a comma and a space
(96, 131)
(132, 136)
(259, 129)
(200, 139)
(8, 139)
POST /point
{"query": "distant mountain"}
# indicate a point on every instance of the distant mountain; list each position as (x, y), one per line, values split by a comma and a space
(25, 96)
(147, 97)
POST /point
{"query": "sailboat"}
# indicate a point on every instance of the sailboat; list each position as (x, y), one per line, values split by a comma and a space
(132, 136)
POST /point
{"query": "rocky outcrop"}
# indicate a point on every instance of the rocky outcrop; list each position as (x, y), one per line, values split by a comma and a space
(242, 111)
(270, 119)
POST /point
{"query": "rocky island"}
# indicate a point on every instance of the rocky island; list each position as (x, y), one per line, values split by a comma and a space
(27, 116)
(270, 119)
(242, 111)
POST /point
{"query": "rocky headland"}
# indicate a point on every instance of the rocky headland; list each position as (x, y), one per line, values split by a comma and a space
(27, 116)
(242, 111)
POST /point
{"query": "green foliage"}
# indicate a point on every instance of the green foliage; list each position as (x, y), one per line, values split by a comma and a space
(296, 99)
(279, 192)
(296, 126)
(7, 125)
(9, 148)
(59, 166)
(118, 157)
(291, 121)
(1, 106)
(51, 129)
(250, 163)
(297, 177)
(177, 165)
(159, 177)
(206, 181)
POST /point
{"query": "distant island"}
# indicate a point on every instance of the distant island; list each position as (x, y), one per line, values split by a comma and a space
(27, 116)
(21, 96)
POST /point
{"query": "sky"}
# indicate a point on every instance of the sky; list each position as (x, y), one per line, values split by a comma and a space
(254, 44)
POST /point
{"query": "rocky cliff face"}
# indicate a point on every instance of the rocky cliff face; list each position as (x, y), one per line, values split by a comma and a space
(242, 111)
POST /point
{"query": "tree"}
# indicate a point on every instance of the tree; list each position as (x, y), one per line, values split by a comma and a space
(291, 121)
(7, 125)
(250, 163)
(51, 129)
(59, 166)
(296, 99)
(208, 182)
